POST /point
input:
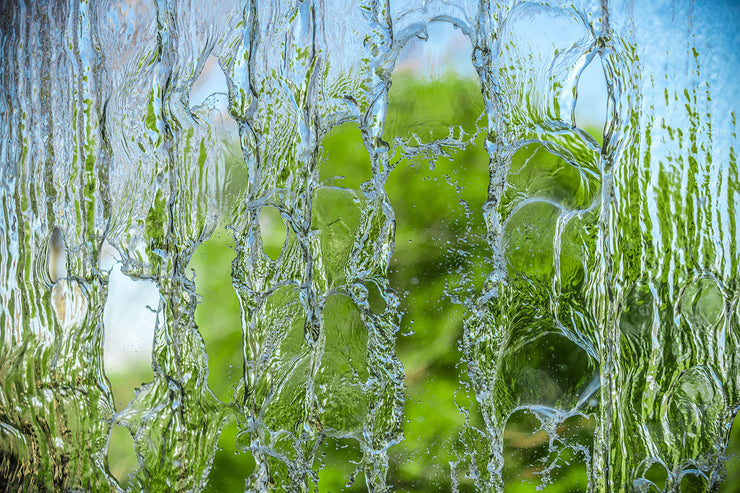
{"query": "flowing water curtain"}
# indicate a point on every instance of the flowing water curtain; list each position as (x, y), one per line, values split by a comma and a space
(101, 145)
(542, 216)
(620, 254)
(672, 246)
(55, 403)
(319, 361)
(175, 154)
(631, 258)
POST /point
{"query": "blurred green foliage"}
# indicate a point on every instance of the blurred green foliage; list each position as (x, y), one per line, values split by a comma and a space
(439, 265)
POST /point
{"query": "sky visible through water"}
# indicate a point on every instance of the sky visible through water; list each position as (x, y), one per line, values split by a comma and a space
(368, 245)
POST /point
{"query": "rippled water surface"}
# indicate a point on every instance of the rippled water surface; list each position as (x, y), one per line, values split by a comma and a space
(519, 271)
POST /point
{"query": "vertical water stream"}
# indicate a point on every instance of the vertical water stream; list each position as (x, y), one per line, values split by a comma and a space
(609, 319)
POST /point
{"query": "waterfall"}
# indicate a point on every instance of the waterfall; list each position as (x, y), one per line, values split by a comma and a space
(607, 317)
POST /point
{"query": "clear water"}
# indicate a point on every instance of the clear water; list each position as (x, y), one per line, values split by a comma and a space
(602, 338)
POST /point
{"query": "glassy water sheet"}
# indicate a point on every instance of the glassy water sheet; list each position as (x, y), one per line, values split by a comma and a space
(568, 319)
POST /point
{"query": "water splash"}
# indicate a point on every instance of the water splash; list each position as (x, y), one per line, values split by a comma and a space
(608, 322)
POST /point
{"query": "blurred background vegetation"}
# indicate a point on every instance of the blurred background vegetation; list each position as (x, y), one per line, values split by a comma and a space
(439, 264)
